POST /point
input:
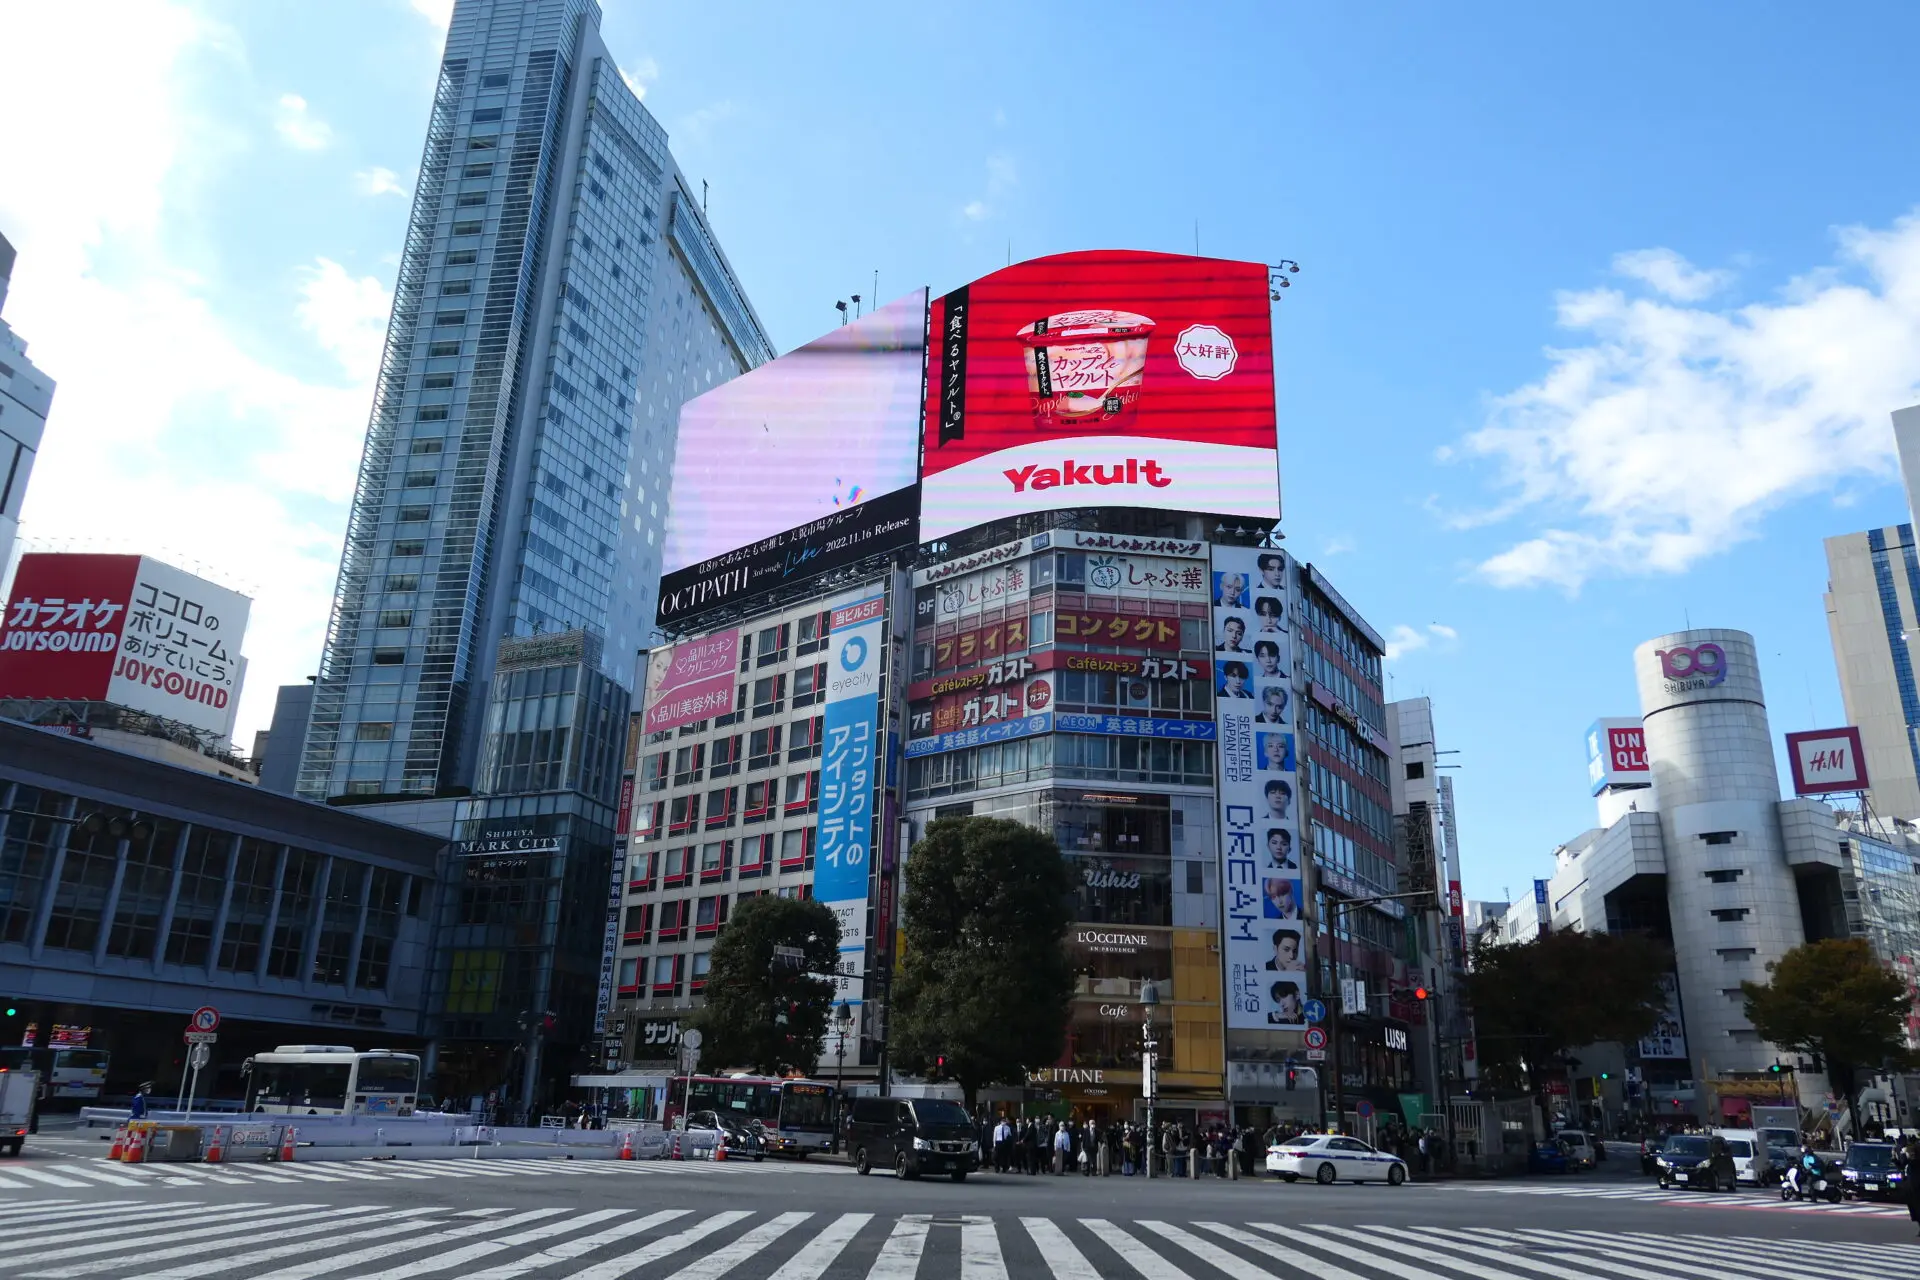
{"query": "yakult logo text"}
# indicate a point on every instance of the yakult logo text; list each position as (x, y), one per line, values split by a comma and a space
(1701, 667)
(1132, 471)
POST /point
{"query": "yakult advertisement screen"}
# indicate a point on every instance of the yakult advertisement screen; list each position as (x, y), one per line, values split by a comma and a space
(1105, 378)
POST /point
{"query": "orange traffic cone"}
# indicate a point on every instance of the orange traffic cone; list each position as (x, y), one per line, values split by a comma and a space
(720, 1148)
(626, 1144)
(119, 1143)
(136, 1148)
(287, 1137)
(217, 1145)
(678, 1154)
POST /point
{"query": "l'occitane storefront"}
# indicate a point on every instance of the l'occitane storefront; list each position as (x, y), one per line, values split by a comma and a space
(1099, 1077)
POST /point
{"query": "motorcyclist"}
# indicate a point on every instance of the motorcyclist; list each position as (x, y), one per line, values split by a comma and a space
(1807, 1171)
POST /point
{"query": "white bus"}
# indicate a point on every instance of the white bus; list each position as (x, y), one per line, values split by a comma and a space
(331, 1080)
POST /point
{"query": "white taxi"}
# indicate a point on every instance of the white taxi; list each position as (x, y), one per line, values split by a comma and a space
(1328, 1157)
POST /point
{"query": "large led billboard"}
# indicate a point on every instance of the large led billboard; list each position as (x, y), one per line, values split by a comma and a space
(1106, 378)
(127, 630)
(804, 463)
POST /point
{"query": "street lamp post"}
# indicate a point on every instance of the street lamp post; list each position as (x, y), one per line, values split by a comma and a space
(1149, 1000)
(842, 1024)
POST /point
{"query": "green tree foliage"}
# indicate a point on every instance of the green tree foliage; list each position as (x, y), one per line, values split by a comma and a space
(1533, 1002)
(986, 983)
(761, 1016)
(1833, 998)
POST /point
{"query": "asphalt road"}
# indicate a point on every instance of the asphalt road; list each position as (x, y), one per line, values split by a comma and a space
(64, 1212)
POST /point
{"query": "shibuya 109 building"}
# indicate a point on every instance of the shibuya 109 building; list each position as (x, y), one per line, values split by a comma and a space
(1015, 551)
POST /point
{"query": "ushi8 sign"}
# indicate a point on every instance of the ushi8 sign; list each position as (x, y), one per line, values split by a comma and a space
(1262, 888)
(128, 630)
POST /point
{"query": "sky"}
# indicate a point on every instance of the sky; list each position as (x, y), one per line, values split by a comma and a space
(1600, 316)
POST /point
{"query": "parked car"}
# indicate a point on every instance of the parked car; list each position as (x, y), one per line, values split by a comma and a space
(742, 1138)
(1697, 1162)
(1547, 1157)
(1327, 1157)
(1868, 1172)
(1650, 1149)
(912, 1136)
(1580, 1150)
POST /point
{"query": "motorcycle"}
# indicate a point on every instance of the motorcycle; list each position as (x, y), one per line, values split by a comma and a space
(1805, 1184)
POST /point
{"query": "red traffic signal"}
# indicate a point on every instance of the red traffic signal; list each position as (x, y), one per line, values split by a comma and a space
(1420, 993)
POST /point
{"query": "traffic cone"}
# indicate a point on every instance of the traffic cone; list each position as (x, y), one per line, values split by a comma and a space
(136, 1149)
(288, 1135)
(678, 1154)
(119, 1143)
(720, 1149)
(217, 1145)
(626, 1145)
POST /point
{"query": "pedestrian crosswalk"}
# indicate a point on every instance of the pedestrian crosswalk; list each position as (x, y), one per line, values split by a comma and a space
(1766, 1200)
(66, 1240)
(24, 1175)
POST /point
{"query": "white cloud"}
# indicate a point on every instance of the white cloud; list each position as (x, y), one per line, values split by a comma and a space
(193, 441)
(1403, 639)
(378, 181)
(438, 12)
(1003, 175)
(1673, 430)
(1668, 273)
(1338, 544)
(299, 128)
(697, 126)
(645, 72)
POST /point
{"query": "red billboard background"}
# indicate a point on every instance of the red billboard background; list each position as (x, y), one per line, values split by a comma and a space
(63, 625)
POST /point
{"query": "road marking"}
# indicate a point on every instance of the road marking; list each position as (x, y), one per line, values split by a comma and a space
(1306, 1262)
(14, 1236)
(41, 1175)
(206, 1224)
(395, 1222)
(413, 1244)
(818, 1253)
(1138, 1256)
(899, 1257)
(659, 1249)
(306, 1224)
(980, 1256)
(721, 1261)
(1061, 1256)
(1439, 1238)
(1220, 1260)
(1616, 1246)
(1688, 1254)
(459, 1257)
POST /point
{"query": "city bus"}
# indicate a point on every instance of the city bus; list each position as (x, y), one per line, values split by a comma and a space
(331, 1080)
(795, 1116)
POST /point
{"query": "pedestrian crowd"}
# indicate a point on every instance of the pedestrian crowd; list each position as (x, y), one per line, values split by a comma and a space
(1092, 1148)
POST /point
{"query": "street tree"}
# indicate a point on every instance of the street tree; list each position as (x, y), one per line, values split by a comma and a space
(1535, 1002)
(1834, 999)
(983, 994)
(765, 1012)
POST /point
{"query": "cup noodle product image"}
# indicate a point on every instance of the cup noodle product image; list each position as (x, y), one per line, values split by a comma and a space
(1104, 378)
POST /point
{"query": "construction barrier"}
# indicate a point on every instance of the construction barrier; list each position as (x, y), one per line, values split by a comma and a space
(134, 1151)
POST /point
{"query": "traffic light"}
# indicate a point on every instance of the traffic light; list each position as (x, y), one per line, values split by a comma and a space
(1606, 1075)
(1420, 993)
(1293, 1077)
(940, 1066)
(1776, 1069)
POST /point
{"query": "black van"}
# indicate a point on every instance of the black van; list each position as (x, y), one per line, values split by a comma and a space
(912, 1136)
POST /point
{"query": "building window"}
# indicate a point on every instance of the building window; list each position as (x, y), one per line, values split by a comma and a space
(677, 870)
(1735, 955)
(683, 812)
(702, 962)
(649, 820)
(763, 748)
(450, 317)
(638, 925)
(666, 975)
(1730, 915)
(770, 646)
(374, 731)
(455, 288)
(414, 515)
(422, 479)
(389, 657)
(813, 635)
(738, 714)
(203, 884)
(722, 808)
(716, 860)
(673, 920)
(466, 228)
(709, 915)
(760, 798)
(688, 763)
(144, 878)
(769, 695)
(483, 142)
(463, 257)
(755, 853)
(486, 115)
(494, 80)
(1725, 876)
(468, 200)
(1718, 837)
(433, 382)
(803, 739)
(725, 757)
(411, 547)
(1416, 770)
(802, 792)
(396, 617)
(809, 685)
(403, 582)
(641, 869)
(255, 874)
(435, 350)
(796, 848)
(629, 976)
(297, 886)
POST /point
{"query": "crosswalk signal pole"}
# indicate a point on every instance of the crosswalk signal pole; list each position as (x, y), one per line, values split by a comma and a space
(1149, 1000)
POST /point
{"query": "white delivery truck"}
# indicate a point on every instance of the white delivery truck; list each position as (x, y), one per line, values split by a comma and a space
(18, 1090)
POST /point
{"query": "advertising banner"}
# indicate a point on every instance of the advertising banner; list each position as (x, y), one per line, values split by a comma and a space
(1105, 378)
(850, 768)
(692, 681)
(1669, 1037)
(772, 469)
(1826, 760)
(1617, 754)
(1266, 935)
(127, 630)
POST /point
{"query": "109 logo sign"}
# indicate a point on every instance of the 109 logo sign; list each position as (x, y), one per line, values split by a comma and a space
(1703, 666)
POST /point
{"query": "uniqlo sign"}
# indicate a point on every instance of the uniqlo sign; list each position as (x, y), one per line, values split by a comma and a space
(127, 630)
(1617, 755)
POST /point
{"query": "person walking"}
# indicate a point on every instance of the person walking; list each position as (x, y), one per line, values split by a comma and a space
(1002, 1144)
(1062, 1150)
(137, 1109)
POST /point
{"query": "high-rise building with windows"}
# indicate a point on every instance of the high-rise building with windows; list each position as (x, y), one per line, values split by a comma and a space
(559, 296)
(25, 396)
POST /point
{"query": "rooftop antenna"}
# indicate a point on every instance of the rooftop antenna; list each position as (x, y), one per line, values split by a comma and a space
(876, 286)
(703, 197)
(856, 306)
(1196, 237)
(841, 307)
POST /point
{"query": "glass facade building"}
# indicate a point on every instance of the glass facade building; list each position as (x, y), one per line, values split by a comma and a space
(559, 296)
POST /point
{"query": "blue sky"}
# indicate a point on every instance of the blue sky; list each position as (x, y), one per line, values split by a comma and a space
(1601, 315)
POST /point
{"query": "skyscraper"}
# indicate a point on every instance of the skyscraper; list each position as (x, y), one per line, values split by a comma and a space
(1873, 612)
(25, 396)
(559, 296)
